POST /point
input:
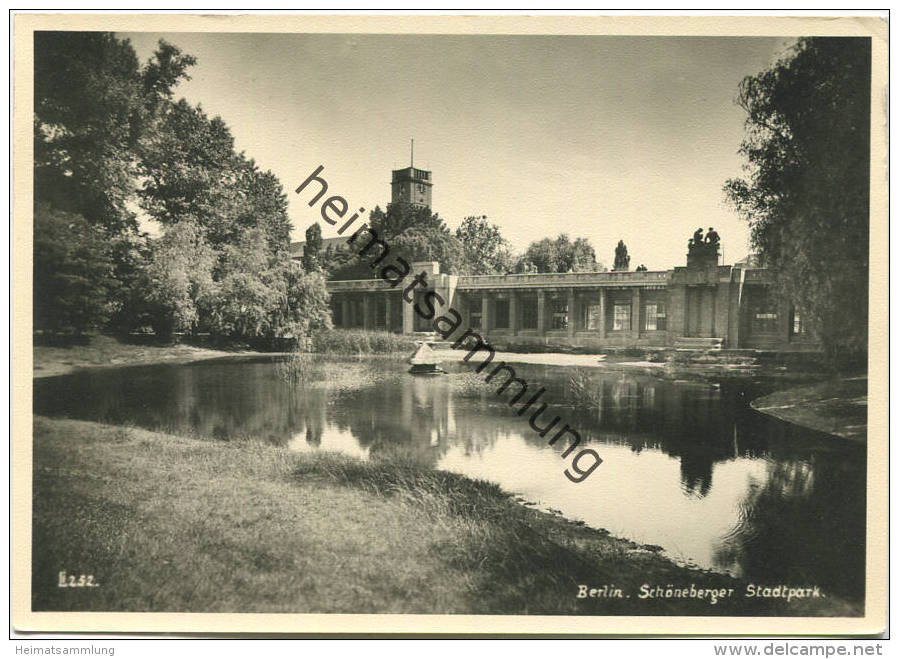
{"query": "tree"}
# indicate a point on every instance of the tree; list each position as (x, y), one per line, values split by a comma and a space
(312, 257)
(95, 110)
(93, 107)
(485, 250)
(402, 217)
(308, 304)
(622, 260)
(73, 271)
(250, 288)
(805, 194)
(412, 233)
(430, 243)
(560, 254)
(176, 281)
(190, 169)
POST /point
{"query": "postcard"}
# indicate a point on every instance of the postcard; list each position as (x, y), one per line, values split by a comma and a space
(462, 325)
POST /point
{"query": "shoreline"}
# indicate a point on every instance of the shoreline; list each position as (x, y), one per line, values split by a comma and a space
(106, 351)
(835, 407)
(264, 527)
(799, 400)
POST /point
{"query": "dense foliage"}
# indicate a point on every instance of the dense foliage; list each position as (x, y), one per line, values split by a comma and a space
(486, 251)
(560, 254)
(805, 194)
(112, 149)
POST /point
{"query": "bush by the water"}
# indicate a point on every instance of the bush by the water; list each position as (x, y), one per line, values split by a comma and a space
(472, 385)
(359, 342)
(583, 391)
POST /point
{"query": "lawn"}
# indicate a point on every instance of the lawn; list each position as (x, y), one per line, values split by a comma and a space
(166, 523)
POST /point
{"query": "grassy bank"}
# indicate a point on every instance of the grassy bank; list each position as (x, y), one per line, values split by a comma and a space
(100, 351)
(836, 407)
(166, 523)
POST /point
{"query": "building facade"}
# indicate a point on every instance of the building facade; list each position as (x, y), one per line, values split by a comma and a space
(700, 305)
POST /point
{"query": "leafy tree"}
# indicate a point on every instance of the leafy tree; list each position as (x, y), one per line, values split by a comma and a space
(190, 169)
(308, 304)
(422, 236)
(560, 254)
(805, 194)
(94, 110)
(622, 259)
(73, 271)
(177, 279)
(250, 288)
(402, 217)
(485, 250)
(312, 257)
(431, 244)
(93, 107)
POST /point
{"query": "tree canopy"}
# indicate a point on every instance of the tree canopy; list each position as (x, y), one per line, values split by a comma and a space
(805, 193)
(485, 250)
(111, 141)
(560, 254)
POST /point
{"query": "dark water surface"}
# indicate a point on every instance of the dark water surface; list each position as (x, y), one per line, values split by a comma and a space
(686, 466)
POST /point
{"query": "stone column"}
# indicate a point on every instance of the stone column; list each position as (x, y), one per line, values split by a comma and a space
(366, 312)
(572, 317)
(387, 325)
(408, 317)
(344, 311)
(602, 313)
(635, 314)
(541, 312)
(513, 313)
(676, 310)
(485, 312)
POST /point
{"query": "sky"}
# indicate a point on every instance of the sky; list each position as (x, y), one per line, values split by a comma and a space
(603, 137)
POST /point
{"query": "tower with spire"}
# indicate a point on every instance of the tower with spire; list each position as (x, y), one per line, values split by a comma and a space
(410, 185)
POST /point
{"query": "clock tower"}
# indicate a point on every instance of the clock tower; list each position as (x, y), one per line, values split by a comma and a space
(411, 186)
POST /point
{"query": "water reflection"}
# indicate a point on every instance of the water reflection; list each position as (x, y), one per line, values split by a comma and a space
(686, 466)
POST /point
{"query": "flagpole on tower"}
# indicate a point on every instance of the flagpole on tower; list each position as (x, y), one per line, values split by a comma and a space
(412, 153)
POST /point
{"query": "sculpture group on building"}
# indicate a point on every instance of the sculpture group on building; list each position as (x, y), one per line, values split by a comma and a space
(711, 242)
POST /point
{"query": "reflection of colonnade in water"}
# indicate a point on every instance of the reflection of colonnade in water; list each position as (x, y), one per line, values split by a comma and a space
(421, 418)
(700, 425)
(808, 488)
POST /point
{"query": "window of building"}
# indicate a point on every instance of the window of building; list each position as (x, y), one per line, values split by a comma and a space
(762, 315)
(337, 313)
(560, 314)
(797, 326)
(501, 309)
(621, 320)
(655, 317)
(529, 313)
(474, 319)
(592, 315)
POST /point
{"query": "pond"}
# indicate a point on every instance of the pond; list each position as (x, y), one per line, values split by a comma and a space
(686, 466)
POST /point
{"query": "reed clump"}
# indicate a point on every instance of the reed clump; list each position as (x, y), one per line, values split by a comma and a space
(583, 391)
(359, 342)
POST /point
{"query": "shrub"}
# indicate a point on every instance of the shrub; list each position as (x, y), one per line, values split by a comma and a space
(359, 342)
(583, 391)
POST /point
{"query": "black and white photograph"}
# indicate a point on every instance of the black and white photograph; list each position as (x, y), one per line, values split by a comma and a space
(450, 324)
